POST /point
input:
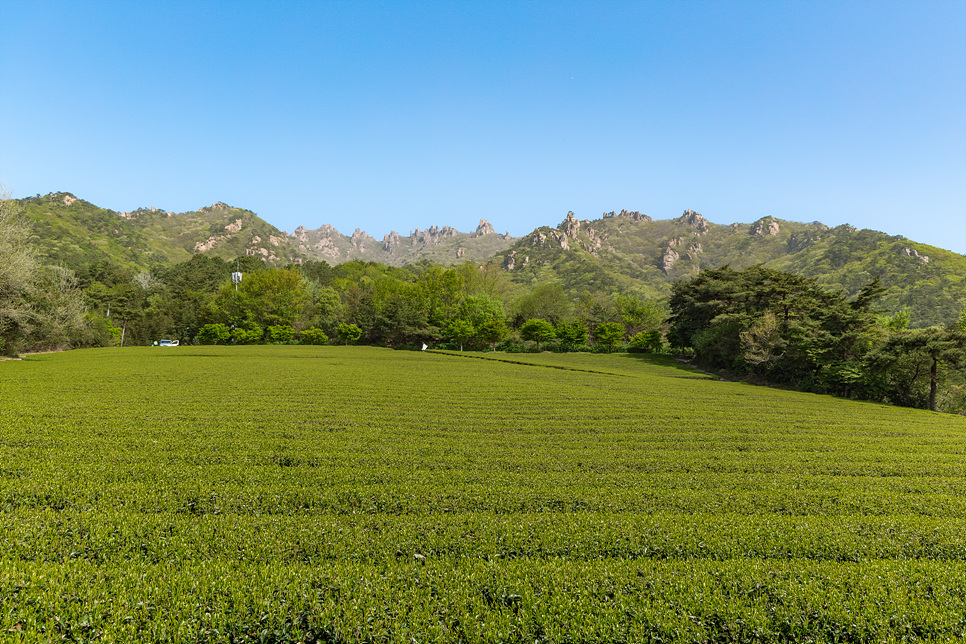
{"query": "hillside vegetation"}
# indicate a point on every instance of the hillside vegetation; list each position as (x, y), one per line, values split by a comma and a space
(625, 252)
(210, 494)
(78, 234)
(630, 253)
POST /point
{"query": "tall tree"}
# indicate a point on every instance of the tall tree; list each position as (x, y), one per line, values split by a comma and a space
(18, 272)
(910, 357)
(460, 331)
(640, 314)
(547, 302)
(269, 297)
(537, 330)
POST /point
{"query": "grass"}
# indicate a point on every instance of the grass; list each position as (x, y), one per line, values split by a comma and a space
(293, 494)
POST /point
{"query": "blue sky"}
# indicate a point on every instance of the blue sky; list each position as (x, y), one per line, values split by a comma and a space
(395, 115)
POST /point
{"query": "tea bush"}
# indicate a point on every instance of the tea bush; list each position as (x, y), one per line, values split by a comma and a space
(350, 494)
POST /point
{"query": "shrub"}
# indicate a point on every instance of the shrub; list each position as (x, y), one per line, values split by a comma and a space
(349, 333)
(649, 341)
(281, 334)
(313, 335)
(510, 346)
(214, 334)
(609, 335)
(572, 335)
(247, 333)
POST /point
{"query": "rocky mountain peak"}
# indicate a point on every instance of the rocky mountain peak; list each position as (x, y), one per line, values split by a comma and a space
(484, 229)
(695, 220)
(633, 215)
(764, 226)
(359, 236)
(215, 207)
(390, 241)
(570, 226)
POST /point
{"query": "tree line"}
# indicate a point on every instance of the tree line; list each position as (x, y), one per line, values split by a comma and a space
(785, 329)
(462, 307)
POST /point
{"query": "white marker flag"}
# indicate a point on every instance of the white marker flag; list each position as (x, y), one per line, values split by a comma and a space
(424, 346)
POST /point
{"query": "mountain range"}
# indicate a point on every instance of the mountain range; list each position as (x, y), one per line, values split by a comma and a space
(624, 251)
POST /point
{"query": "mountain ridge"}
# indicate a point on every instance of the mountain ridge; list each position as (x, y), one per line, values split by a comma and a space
(624, 251)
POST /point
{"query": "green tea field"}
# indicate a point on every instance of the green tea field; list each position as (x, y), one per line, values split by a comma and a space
(356, 494)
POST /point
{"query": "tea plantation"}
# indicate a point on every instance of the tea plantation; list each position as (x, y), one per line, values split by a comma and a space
(355, 494)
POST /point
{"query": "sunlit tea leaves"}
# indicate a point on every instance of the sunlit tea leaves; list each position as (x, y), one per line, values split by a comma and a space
(349, 494)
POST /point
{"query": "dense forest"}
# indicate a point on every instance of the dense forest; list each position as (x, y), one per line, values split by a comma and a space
(758, 323)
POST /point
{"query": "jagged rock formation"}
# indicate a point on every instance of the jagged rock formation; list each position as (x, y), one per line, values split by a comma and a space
(911, 252)
(256, 250)
(695, 220)
(765, 226)
(510, 261)
(484, 229)
(668, 258)
(208, 244)
(359, 237)
(633, 215)
(441, 244)
(675, 248)
(215, 207)
(318, 243)
(432, 235)
(570, 226)
(390, 241)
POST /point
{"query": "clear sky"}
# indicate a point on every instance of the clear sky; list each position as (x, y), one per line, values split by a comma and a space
(396, 115)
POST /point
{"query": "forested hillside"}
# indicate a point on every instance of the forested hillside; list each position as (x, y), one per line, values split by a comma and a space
(628, 252)
(77, 233)
(619, 253)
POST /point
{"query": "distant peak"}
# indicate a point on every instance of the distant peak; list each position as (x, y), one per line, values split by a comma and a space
(570, 226)
(695, 220)
(66, 197)
(359, 236)
(215, 207)
(484, 229)
(765, 226)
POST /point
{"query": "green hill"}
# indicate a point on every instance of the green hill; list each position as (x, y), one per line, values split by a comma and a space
(76, 232)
